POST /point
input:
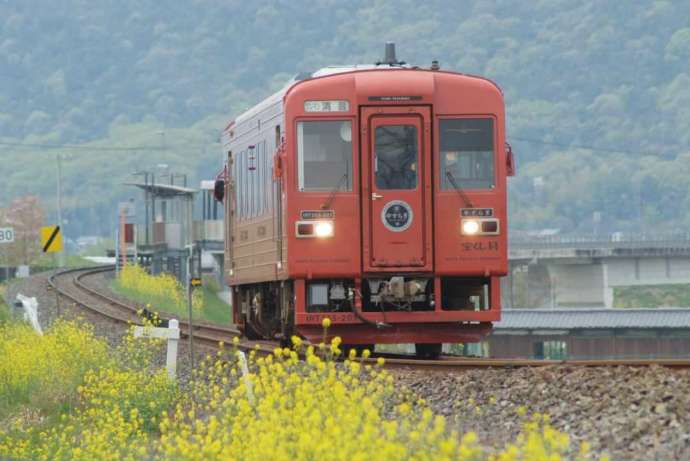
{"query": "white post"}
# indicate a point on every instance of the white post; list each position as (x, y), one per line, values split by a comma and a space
(171, 357)
(245, 375)
(172, 334)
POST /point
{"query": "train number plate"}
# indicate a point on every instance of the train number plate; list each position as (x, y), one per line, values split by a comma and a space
(334, 316)
(317, 214)
(476, 212)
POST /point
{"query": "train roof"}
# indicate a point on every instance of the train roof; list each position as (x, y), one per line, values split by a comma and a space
(324, 72)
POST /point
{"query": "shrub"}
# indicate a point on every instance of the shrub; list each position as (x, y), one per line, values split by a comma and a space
(44, 371)
(163, 292)
(284, 408)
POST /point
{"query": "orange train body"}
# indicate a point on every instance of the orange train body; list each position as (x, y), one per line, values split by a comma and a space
(374, 196)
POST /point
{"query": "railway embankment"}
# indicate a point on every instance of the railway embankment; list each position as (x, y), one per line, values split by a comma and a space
(629, 412)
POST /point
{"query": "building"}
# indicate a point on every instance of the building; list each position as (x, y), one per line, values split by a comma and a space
(590, 334)
(169, 229)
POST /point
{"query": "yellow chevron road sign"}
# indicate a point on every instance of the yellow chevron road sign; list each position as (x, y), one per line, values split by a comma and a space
(51, 239)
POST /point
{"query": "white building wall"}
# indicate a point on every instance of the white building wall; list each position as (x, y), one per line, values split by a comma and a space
(578, 285)
(647, 271)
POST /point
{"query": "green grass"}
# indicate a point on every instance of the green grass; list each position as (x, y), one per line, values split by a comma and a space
(652, 296)
(50, 261)
(214, 309)
(100, 249)
(4, 308)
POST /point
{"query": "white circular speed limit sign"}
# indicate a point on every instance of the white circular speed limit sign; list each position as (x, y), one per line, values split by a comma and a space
(6, 235)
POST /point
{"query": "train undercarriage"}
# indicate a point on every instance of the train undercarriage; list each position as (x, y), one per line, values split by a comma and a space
(376, 309)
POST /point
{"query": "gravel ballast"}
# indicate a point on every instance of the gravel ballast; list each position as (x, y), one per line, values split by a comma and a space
(631, 413)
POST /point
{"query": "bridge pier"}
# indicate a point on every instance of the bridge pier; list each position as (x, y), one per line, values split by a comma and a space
(552, 284)
(544, 278)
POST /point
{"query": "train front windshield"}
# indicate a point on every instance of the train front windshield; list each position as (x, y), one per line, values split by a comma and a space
(324, 155)
(467, 153)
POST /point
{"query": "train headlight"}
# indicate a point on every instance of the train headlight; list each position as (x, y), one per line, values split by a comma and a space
(470, 226)
(311, 229)
(480, 226)
(323, 229)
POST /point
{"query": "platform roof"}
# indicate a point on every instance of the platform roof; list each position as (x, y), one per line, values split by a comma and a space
(163, 190)
(577, 318)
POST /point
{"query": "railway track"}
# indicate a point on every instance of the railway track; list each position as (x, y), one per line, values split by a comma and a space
(70, 284)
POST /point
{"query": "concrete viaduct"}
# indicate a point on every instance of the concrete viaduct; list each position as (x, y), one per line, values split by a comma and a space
(558, 272)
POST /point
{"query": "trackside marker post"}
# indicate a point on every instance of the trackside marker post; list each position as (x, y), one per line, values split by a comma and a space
(172, 334)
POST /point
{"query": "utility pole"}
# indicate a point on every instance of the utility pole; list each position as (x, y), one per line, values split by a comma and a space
(61, 255)
(123, 237)
(189, 308)
(146, 207)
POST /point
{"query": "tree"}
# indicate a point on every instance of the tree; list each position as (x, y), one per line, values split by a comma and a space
(25, 215)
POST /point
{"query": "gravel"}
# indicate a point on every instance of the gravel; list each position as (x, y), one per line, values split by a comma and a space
(36, 286)
(631, 413)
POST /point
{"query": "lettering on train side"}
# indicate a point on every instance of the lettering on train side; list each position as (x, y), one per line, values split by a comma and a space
(491, 245)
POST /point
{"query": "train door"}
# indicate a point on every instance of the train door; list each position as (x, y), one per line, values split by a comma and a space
(396, 188)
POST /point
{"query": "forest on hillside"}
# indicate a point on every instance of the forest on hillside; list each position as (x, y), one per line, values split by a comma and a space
(598, 93)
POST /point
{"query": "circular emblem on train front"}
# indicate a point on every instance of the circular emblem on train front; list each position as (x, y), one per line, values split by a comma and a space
(397, 215)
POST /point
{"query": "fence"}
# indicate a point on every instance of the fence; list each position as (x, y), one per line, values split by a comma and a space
(679, 240)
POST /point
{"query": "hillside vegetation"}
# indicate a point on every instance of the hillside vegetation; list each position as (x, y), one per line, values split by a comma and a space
(597, 92)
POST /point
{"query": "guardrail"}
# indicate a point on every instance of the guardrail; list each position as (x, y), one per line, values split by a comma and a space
(612, 241)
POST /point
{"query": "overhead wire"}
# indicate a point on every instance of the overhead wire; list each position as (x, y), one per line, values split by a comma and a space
(95, 148)
(78, 146)
(582, 146)
(151, 147)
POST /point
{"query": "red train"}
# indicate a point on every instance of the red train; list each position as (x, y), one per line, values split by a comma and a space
(374, 196)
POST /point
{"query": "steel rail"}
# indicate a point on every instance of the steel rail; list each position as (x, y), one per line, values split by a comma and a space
(126, 313)
(211, 335)
(470, 363)
(164, 316)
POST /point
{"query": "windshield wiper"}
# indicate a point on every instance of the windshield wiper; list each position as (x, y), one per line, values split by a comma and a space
(459, 190)
(327, 204)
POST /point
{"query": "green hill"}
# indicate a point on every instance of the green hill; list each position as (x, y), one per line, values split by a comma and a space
(597, 92)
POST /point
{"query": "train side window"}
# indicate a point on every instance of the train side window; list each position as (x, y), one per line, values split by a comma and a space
(268, 175)
(237, 165)
(261, 183)
(243, 177)
(324, 155)
(233, 172)
(238, 191)
(467, 153)
(252, 182)
(257, 180)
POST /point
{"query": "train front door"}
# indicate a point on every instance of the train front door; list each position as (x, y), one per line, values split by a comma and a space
(396, 188)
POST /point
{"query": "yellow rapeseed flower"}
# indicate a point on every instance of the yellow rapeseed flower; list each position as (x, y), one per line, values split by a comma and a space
(284, 409)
